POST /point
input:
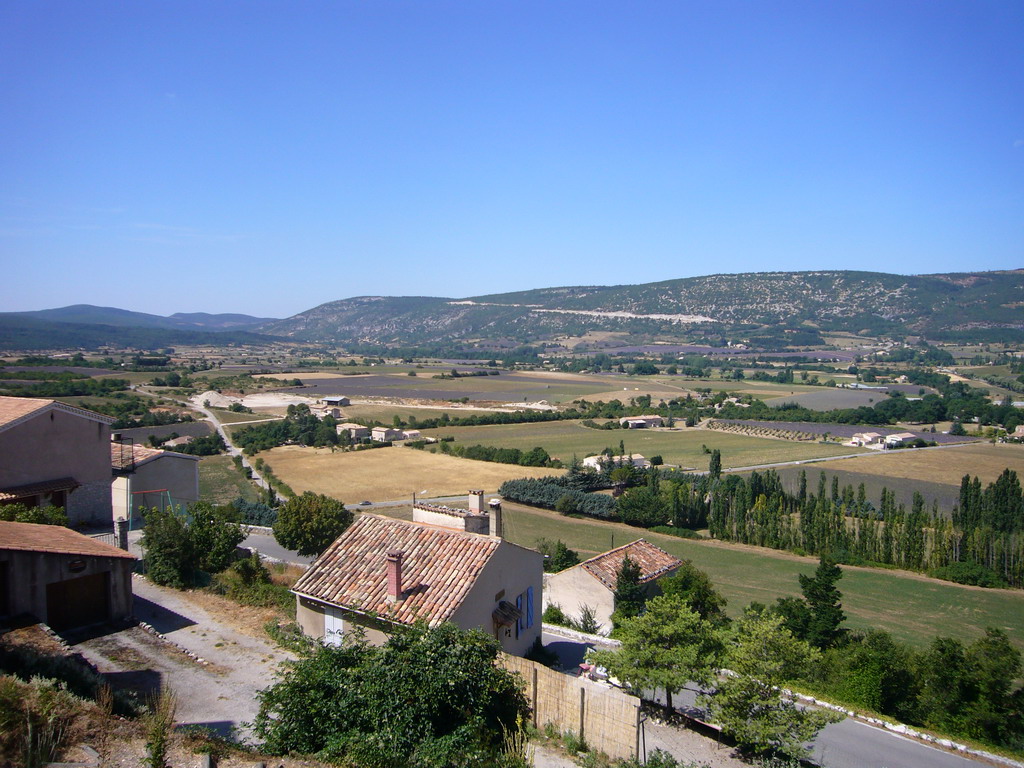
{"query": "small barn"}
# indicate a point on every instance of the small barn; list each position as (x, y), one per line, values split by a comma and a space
(592, 583)
(62, 577)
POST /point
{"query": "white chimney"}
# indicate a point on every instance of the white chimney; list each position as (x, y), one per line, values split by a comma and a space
(476, 502)
(495, 505)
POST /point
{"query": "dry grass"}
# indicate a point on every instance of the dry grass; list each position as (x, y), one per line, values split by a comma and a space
(388, 474)
(944, 465)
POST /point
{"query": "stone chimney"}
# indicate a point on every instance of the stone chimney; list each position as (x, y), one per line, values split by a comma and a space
(495, 505)
(476, 502)
(394, 560)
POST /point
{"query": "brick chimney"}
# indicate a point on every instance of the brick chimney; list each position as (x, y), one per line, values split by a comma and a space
(476, 502)
(394, 560)
(495, 521)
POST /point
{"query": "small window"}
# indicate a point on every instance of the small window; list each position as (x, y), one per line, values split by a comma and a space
(519, 621)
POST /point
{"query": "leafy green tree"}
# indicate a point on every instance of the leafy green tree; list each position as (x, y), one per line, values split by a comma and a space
(823, 600)
(557, 556)
(428, 697)
(693, 587)
(215, 533)
(170, 556)
(715, 465)
(751, 707)
(666, 647)
(629, 596)
(309, 523)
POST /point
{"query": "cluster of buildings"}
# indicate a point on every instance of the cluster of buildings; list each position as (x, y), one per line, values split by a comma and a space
(446, 564)
(881, 441)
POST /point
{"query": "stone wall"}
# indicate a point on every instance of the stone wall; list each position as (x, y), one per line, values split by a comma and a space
(606, 718)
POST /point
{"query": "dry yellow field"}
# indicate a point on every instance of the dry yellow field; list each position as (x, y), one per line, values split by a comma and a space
(942, 465)
(388, 474)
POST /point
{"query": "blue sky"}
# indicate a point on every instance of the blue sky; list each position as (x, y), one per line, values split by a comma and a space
(266, 157)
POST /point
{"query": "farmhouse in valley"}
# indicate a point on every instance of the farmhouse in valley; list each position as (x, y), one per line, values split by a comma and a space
(640, 422)
(334, 401)
(355, 431)
(592, 583)
(632, 460)
(55, 455)
(382, 572)
(62, 577)
(385, 434)
(899, 438)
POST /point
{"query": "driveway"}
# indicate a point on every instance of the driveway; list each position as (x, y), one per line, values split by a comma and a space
(219, 692)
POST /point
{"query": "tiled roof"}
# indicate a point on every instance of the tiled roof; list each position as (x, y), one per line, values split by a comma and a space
(653, 562)
(56, 539)
(439, 566)
(15, 410)
(34, 489)
(127, 455)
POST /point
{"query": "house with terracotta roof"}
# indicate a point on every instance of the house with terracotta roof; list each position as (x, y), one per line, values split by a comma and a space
(54, 454)
(383, 572)
(150, 477)
(592, 583)
(62, 577)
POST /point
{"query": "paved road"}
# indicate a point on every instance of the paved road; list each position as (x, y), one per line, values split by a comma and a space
(847, 744)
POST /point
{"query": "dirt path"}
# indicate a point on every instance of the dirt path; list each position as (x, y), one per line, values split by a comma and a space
(219, 694)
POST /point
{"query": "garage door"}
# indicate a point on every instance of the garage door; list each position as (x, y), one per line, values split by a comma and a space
(76, 602)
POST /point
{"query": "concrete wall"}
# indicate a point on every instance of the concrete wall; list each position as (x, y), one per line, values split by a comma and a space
(422, 513)
(310, 615)
(573, 588)
(29, 573)
(509, 573)
(177, 473)
(59, 444)
(607, 718)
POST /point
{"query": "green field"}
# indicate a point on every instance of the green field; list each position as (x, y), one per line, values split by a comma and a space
(562, 439)
(224, 416)
(912, 608)
(221, 483)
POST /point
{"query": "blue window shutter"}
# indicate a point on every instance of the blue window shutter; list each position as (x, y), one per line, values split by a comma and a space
(529, 607)
(519, 621)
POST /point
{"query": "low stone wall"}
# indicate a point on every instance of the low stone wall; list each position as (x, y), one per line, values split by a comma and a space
(606, 718)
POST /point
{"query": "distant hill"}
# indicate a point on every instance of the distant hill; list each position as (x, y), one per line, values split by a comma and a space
(767, 310)
(22, 332)
(92, 315)
(770, 309)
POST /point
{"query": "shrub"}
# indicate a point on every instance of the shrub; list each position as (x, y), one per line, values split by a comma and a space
(974, 574)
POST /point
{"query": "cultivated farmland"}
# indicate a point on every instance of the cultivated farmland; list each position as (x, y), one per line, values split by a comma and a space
(562, 439)
(939, 465)
(388, 474)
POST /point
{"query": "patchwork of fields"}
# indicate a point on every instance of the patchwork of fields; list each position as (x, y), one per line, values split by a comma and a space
(684, 447)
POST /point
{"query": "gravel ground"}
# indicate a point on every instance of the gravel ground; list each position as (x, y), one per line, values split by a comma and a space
(219, 694)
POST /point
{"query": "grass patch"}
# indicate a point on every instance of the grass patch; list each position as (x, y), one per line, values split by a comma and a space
(562, 439)
(231, 417)
(388, 474)
(221, 483)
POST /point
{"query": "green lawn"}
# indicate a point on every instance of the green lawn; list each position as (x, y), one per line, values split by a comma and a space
(562, 439)
(231, 417)
(912, 608)
(221, 483)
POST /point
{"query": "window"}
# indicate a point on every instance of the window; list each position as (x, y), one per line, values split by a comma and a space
(519, 621)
